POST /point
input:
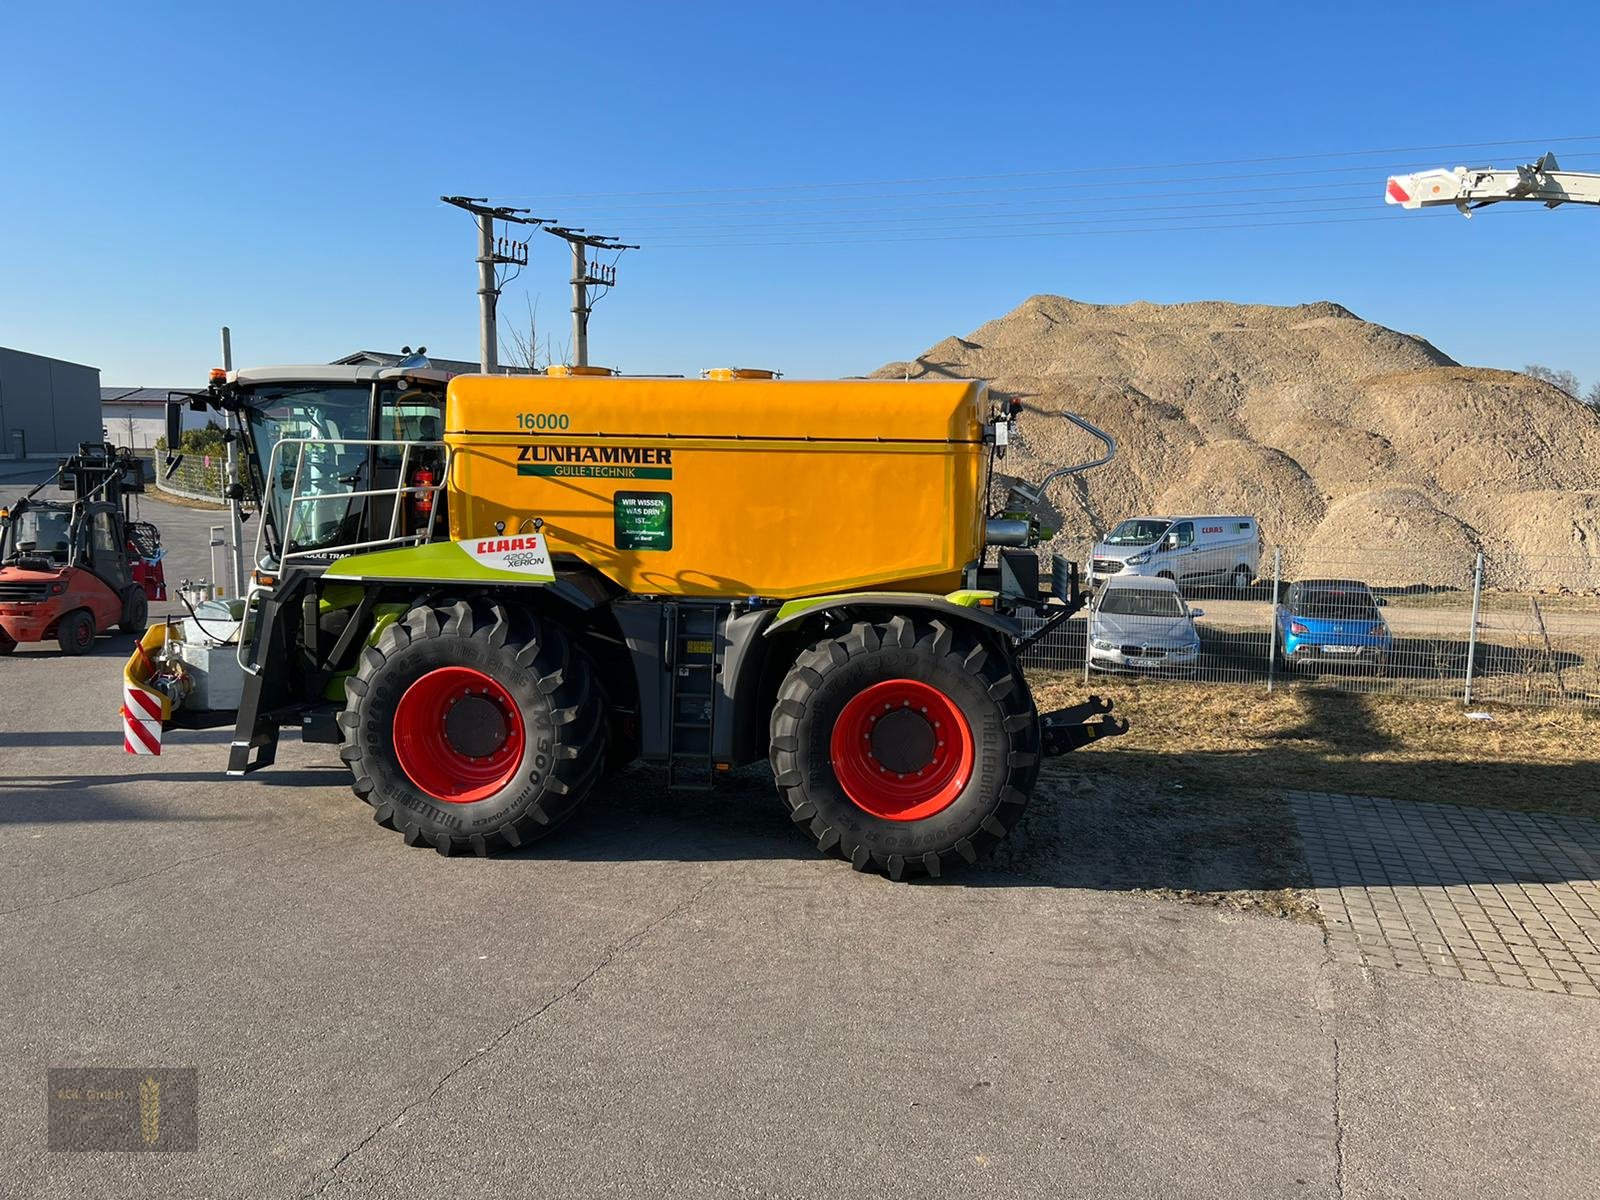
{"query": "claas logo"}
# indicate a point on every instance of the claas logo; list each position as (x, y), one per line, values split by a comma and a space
(493, 546)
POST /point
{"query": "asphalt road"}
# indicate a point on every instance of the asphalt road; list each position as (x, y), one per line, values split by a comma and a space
(678, 998)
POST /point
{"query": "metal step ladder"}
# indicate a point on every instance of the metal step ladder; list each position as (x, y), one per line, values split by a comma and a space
(692, 699)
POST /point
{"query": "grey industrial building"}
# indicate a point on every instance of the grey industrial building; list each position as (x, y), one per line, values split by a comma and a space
(47, 406)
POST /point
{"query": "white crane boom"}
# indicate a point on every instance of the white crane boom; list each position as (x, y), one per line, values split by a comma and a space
(1468, 188)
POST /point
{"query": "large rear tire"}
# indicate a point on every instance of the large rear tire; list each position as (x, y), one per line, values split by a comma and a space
(471, 726)
(905, 745)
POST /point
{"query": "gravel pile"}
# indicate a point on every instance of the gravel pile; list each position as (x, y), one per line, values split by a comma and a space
(1336, 432)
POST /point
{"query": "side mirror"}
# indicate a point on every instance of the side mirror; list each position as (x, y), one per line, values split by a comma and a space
(1196, 613)
(1382, 603)
(174, 427)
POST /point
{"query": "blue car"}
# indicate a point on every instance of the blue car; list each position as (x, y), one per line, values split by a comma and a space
(1323, 622)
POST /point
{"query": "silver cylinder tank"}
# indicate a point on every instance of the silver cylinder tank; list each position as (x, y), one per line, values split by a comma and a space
(1007, 531)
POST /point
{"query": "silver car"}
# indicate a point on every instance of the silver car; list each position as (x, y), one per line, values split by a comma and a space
(1141, 623)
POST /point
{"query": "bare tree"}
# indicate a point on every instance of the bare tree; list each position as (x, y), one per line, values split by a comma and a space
(1592, 396)
(1565, 380)
(523, 349)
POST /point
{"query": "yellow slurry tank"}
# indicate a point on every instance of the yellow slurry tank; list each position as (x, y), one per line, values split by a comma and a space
(727, 487)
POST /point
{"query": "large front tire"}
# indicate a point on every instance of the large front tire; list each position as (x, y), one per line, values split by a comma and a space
(471, 726)
(905, 745)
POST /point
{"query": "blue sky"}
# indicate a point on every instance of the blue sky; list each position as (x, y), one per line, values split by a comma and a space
(171, 168)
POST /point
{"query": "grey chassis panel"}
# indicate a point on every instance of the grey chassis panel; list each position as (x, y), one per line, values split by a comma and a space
(901, 602)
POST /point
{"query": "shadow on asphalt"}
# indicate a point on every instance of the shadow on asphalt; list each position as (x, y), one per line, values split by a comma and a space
(108, 737)
(1141, 820)
(45, 799)
(1104, 819)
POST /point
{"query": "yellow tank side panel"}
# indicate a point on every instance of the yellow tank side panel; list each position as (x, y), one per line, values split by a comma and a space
(727, 488)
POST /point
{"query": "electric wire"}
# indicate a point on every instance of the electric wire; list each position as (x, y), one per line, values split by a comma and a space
(989, 235)
(897, 218)
(1172, 166)
(609, 213)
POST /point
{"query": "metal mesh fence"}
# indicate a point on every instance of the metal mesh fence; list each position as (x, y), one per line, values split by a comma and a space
(198, 476)
(1456, 626)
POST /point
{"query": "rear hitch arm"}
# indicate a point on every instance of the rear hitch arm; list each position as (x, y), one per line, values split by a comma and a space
(1067, 729)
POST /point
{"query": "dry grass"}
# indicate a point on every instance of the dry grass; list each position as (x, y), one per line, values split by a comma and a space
(1224, 742)
(185, 501)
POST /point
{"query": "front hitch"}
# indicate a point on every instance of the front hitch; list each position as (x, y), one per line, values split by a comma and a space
(1067, 729)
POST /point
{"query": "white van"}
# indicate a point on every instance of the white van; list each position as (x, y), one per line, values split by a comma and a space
(1191, 550)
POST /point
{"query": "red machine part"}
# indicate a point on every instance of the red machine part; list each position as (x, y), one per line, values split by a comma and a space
(34, 603)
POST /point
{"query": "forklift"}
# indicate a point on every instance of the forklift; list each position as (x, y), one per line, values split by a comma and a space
(70, 569)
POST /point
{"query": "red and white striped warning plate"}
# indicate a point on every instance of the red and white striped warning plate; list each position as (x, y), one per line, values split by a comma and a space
(142, 706)
(141, 720)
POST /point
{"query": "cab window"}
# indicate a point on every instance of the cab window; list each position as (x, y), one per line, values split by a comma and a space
(103, 536)
(1182, 534)
(407, 417)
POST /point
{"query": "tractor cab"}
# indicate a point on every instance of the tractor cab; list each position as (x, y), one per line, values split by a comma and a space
(338, 457)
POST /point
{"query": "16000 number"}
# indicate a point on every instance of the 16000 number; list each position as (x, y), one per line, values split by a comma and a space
(543, 420)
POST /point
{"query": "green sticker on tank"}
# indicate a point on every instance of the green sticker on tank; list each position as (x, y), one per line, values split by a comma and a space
(643, 521)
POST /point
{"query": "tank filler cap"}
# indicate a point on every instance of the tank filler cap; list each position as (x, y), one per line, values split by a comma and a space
(740, 373)
(568, 371)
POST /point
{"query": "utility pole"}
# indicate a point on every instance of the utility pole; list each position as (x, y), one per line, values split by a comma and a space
(493, 253)
(586, 274)
(236, 520)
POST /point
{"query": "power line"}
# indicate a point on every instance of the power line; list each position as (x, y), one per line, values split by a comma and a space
(996, 234)
(1255, 189)
(893, 217)
(1102, 184)
(673, 220)
(1174, 166)
(824, 236)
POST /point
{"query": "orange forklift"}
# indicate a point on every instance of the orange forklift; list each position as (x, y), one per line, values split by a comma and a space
(70, 569)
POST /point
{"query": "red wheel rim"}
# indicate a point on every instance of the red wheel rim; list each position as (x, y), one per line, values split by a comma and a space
(458, 735)
(902, 750)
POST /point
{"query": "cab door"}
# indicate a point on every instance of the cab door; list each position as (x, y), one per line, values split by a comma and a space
(108, 553)
(413, 415)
